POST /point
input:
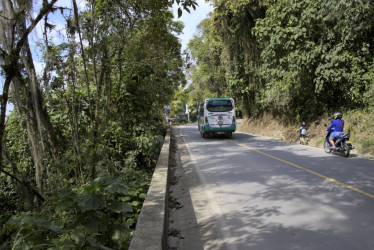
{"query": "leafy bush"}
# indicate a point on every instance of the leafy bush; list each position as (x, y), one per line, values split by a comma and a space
(361, 127)
(8, 201)
(99, 214)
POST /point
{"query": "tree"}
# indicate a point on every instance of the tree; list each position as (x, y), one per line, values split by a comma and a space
(289, 58)
(314, 52)
(95, 112)
(233, 22)
(18, 59)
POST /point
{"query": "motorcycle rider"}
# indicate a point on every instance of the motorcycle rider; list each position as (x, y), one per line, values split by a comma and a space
(337, 127)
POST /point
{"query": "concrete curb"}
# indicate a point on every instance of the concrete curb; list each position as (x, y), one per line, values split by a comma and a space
(151, 230)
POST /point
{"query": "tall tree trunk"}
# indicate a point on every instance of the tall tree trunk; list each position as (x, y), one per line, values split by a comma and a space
(74, 117)
(91, 114)
(4, 101)
(26, 109)
(48, 63)
(42, 116)
(76, 17)
(14, 34)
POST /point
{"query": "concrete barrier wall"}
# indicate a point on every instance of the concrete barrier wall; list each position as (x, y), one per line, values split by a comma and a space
(151, 229)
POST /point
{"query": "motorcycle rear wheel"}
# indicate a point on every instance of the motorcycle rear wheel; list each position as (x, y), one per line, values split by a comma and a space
(326, 147)
(345, 149)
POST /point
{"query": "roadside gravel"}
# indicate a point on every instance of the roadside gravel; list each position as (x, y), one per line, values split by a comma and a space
(191, 225)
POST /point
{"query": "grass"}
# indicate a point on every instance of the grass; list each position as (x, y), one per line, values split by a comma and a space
(368, 146)
(359, 124)
(361, 127)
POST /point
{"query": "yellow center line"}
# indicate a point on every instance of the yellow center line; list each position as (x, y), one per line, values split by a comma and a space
(308, 170)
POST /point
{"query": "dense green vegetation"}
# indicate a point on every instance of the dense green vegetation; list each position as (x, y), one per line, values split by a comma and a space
(297, 60)
(78, 150)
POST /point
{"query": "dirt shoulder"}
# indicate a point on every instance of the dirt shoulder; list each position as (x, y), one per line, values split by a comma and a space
(190, 221)
(268, 126)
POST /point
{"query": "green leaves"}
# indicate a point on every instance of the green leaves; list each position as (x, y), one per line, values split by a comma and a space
(106, 122)
(314, 42)
(101, 213)
(186, 5)
(106, 183)
(121, 207)
(288, 57)
(90, 202)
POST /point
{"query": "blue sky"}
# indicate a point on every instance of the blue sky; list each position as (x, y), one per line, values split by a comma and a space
(192, 20)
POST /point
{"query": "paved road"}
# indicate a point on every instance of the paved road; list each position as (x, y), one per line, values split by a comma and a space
(268, 194)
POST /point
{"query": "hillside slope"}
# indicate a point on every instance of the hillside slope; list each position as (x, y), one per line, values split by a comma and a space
(358, 124)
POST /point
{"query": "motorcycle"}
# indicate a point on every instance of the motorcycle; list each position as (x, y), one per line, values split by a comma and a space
(342, 143)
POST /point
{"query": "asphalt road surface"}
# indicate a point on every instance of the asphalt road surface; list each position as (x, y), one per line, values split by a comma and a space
(268, 194)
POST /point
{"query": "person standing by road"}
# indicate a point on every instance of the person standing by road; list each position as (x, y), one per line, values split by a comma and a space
(302, 131)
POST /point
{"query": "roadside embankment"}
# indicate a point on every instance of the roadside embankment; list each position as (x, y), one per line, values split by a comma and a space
(359, 125)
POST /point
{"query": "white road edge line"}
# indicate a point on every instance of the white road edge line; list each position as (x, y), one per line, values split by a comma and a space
(216, 211)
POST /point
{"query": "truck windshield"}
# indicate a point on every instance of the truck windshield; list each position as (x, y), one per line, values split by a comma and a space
(219, 105)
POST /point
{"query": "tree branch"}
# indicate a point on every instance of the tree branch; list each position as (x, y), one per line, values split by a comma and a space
(44, 10)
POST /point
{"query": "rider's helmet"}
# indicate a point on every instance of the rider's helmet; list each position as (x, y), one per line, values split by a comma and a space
(337, 115)
(303, 124)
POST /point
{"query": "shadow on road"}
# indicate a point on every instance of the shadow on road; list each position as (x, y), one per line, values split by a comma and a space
(268, 203)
